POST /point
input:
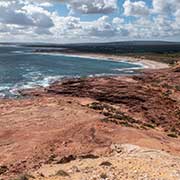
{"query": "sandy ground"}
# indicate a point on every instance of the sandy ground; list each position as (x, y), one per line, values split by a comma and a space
(146, 64)
(125, 162)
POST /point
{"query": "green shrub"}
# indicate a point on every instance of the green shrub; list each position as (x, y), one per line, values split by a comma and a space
(103, 176)
(96, 106)
(177, 88)
(62, 173)
(25, 177)
(149, 125)
(3, 169)
(172, 135)
(105, 163)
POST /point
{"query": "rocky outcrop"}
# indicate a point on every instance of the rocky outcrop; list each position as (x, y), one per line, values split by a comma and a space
(152, 98)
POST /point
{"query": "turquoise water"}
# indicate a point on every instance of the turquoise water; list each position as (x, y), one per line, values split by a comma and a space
(20, 68)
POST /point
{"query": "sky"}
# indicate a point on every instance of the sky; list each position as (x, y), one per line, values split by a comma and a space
(75, 21)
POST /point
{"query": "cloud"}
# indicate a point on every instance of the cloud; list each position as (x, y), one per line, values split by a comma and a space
(72, 27)
(10, 15)
(101, 28)
(23, 14)
(46, 4)
(138, 8)
(165, 7)
(118, 21)
(40, 20)
(40, 16)
(91, 6)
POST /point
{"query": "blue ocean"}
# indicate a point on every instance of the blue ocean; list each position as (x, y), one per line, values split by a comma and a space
(20, 68)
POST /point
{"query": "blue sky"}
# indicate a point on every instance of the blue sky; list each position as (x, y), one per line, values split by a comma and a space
(89, 20)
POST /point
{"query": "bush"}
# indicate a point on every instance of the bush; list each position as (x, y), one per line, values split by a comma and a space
(62, 173)
(3, 169)
(105, 163)
(96, 106)
(25, 177)
(172, 135)
(149, 125)
(177, 88)
(103, 176)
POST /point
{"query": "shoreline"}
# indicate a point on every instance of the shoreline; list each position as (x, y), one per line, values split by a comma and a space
(145, 63)
(142, 63)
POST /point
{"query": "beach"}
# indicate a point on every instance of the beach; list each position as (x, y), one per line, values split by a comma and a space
(145, 63)
(42, 69)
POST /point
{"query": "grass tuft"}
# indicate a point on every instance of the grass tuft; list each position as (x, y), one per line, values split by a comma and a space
(62, 173)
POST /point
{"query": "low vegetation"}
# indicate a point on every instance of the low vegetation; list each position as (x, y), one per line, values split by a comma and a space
(103, 176)
(3, 169)
(62, 173)
(25, 177)
(157, 51)
(172, 135)
(106, 163)
(115, 116)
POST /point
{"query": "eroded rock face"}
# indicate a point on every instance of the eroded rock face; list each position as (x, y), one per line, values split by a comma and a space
(152, 98)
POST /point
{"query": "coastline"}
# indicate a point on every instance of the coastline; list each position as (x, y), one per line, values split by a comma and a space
(145, 63)
(142, 64)
(84, 118)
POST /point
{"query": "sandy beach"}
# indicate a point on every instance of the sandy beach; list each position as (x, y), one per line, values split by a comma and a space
(146, 63)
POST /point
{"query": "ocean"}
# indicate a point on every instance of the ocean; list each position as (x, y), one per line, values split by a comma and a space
(20, 68)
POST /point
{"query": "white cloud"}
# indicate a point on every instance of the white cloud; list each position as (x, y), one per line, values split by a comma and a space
(118, 21)
(92, 6)
(166, 7)
(23, 14)
(21, 17)
(40, 16)
(31, 20)
(72, 27)
(46, 4)
(138, 8)
(102, 28)
(4, 4)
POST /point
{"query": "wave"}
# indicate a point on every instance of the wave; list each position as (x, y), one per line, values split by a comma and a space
(28, 52)
(35, 80)
(128, 69)
(4, 87)
(9, 45)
